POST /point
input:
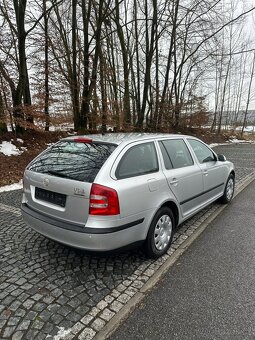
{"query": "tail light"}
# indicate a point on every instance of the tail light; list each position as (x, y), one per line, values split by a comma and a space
(103, 201)
(82, 140)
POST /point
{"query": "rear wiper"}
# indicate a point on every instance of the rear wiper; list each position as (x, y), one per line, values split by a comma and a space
(59, 174)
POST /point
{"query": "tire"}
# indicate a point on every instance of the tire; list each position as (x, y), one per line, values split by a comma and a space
(160, 233)
(229, 190)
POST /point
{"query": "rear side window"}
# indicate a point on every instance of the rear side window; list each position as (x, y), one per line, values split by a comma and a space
(138, 160)
(78, 161)
(175, 154)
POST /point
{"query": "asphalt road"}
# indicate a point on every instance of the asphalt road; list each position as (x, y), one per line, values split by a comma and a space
(47, 289)
(210, 292)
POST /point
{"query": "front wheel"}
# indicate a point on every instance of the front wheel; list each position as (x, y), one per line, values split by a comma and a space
(160, 233)
(229, 190)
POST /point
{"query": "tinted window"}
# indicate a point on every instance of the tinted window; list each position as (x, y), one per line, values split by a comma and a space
(78, 161)
(178, 154)
(203, 153)
(138, 160)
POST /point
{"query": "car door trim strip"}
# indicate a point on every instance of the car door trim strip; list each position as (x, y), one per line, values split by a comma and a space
(204, 192)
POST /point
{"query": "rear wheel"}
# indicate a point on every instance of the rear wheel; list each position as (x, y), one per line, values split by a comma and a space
(229, 190)
(160, 233)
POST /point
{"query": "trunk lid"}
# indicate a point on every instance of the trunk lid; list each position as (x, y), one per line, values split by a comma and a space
(57, 197)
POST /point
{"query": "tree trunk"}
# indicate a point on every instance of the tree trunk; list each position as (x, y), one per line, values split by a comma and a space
(85, 110)
(22, 95)
(46, 68)
(103, 91)
(249, 94)
(3, 126)
(162, 106)
(74, 81)
(124, 51)
(150, 44)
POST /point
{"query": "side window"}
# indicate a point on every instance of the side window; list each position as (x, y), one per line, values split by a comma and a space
(138, 160)
(203, 153)
(177, 152)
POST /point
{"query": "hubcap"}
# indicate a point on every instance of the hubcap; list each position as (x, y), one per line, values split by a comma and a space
(163, 232)
(230, 189)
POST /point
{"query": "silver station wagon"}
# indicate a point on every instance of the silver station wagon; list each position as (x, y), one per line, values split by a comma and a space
(101, 193)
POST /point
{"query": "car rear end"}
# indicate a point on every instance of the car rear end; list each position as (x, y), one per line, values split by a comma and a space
(61, 199)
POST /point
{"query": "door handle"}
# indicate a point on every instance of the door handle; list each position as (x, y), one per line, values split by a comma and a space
(205, 172)
(174, 181)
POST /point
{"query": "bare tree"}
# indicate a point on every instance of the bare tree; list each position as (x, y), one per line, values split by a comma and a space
(249, 94)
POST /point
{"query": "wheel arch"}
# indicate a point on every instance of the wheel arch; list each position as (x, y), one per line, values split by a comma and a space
(233, 173)
(173, 206)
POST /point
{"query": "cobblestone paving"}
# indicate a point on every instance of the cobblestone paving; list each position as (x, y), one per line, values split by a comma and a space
(51, 291)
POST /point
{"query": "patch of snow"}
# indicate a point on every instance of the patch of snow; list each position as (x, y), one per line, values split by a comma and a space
(62, 127)
(232, 141)
(71, 133)
(250, 128)
(8, 149)
(212, 145)
(15, 186)
(235, 140)
(20, 140)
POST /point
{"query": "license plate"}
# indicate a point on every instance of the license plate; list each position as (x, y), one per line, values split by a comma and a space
(50, 196)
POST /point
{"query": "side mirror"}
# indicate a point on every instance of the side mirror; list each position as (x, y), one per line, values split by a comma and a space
(221, 158)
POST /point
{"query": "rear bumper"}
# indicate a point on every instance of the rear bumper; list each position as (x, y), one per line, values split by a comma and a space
(84, 237)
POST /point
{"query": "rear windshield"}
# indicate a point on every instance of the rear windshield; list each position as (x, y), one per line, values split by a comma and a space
(78, 161)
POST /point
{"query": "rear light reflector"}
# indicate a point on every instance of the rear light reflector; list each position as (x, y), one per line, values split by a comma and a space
(103, 201)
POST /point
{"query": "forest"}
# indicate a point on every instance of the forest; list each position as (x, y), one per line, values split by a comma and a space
(126, 65)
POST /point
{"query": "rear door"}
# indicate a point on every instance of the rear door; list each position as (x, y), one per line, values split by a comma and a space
(184, 176)
(139, 180)
(58, 182)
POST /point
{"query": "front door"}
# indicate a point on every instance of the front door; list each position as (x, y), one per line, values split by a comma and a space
(214, 174)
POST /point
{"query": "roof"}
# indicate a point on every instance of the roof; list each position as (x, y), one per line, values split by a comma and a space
(118, 138)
